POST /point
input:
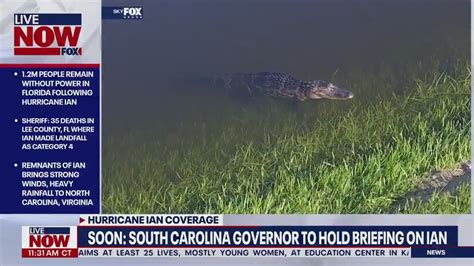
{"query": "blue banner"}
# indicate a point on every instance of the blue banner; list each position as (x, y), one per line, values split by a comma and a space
(47, 19)
(442, 252)
(50, 230)
(267, 236)
(50, 139)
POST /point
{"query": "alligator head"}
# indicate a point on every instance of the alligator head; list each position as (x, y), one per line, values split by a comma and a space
(319, 89)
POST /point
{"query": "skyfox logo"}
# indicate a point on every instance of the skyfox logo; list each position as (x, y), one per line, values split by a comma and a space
(128, 12)
(132, 11)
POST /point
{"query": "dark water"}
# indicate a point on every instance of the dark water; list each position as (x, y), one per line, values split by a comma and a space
(333, 39)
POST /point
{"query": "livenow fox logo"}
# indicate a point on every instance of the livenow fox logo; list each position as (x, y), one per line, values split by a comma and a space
(47, 34)
(49, 237)
(48, 241)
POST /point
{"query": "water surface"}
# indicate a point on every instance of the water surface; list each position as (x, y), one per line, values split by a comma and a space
(154, 68)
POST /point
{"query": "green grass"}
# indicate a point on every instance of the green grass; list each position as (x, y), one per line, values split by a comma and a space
(331, 157)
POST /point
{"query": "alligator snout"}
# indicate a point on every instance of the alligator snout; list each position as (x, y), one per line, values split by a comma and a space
(344, 94)
(327, 90)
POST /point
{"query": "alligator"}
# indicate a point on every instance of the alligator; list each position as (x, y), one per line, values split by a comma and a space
(282, 85)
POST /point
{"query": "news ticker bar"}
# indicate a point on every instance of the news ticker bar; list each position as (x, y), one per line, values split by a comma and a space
(219, 252)
(360, 252)
(206, 236)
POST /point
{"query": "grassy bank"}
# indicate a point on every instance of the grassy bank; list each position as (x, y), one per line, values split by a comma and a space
(448, 203)
(321, 159)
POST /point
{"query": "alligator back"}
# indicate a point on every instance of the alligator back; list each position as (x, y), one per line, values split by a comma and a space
(264, 83)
